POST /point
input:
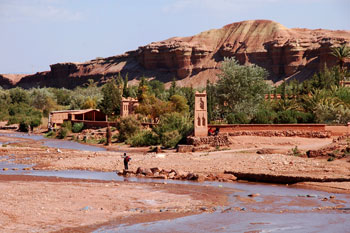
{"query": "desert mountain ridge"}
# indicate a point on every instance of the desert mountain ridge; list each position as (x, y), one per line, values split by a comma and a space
(285, 53)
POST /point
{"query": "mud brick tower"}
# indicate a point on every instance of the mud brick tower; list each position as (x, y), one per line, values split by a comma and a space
(200, 115)
(128, 106)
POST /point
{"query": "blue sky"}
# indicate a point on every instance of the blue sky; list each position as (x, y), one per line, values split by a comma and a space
(37, 33)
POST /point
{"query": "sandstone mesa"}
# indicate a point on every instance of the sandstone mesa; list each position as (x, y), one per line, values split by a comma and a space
(285, 53)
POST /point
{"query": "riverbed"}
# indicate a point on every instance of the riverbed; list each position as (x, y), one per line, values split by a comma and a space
(252, 207)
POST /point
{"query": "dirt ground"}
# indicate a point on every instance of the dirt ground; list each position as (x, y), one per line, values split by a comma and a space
(44, 204)
(240, 157)
(36, 203)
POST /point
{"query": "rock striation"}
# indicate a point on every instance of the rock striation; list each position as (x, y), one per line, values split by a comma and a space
(285, 53)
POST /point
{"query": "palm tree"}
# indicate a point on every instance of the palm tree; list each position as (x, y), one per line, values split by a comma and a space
(341, 53)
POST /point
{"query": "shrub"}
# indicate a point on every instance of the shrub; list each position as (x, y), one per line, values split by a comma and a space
(264, 116)
(143, 138)
(50, 134)
(170, 139)
(102, 141)
(183, 124)
(62, 133)
(237, 118)
(67, 125)
(286, 117)
(24, 115)
(127, 127)
(295, 151)
(77, 127)
(23, 127)
(305, 117)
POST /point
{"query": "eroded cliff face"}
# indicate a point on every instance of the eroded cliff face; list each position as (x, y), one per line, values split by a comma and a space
(285, 53)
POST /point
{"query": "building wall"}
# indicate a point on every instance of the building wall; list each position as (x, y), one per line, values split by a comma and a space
(58, 118)
(128, 106)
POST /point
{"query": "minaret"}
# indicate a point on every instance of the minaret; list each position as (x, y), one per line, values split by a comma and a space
(200, 115)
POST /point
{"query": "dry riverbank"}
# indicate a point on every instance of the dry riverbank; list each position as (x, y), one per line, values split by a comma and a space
(46, 204)
(240, 158)
(69, 205)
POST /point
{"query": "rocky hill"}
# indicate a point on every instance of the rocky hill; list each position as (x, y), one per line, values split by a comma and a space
(285, 53)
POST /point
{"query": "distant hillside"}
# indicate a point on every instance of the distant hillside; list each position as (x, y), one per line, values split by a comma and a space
(285, 53)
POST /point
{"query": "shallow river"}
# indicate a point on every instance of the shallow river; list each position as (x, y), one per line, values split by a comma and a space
(55, 143)
(278, 208)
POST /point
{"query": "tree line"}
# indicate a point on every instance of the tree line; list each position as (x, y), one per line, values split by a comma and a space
(238, 97)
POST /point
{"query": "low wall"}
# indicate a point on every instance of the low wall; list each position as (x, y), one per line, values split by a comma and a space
(102, 124)
(268, 127)
(338, 130)
(94, 124)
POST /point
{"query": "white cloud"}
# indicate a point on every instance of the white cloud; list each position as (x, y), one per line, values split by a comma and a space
(37, 10)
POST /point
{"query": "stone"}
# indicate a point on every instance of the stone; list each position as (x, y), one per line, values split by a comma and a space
(165, 171)
(158, 149)
(171, 175)
(155, 169)
(264, 151)
(139, 170)
(191, 176)
(225, 177)
(201, 178)
(147, 172)
(254, 195)
(184, 148)
(160, 156)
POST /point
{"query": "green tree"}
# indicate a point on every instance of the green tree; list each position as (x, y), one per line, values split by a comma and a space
(172, 89)
(62, 96)
(18, 95)
(240, 88)
(157, 88)
(110, 103)
(142, 90)
(152, 108)
(25, 115)
(5, 101)
(210, 89)
(189, 94)
(341, 53)
(89, 103)
(173, 128)
(126, 92)
(127, 127)
(178, 104)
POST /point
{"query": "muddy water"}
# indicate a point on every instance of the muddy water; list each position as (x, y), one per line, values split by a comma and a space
(55, 143)
(277, 208)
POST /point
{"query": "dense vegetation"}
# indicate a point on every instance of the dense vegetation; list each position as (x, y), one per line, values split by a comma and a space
(237, 97)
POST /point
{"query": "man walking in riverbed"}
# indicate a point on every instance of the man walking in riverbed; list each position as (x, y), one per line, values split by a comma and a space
(126, 161)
